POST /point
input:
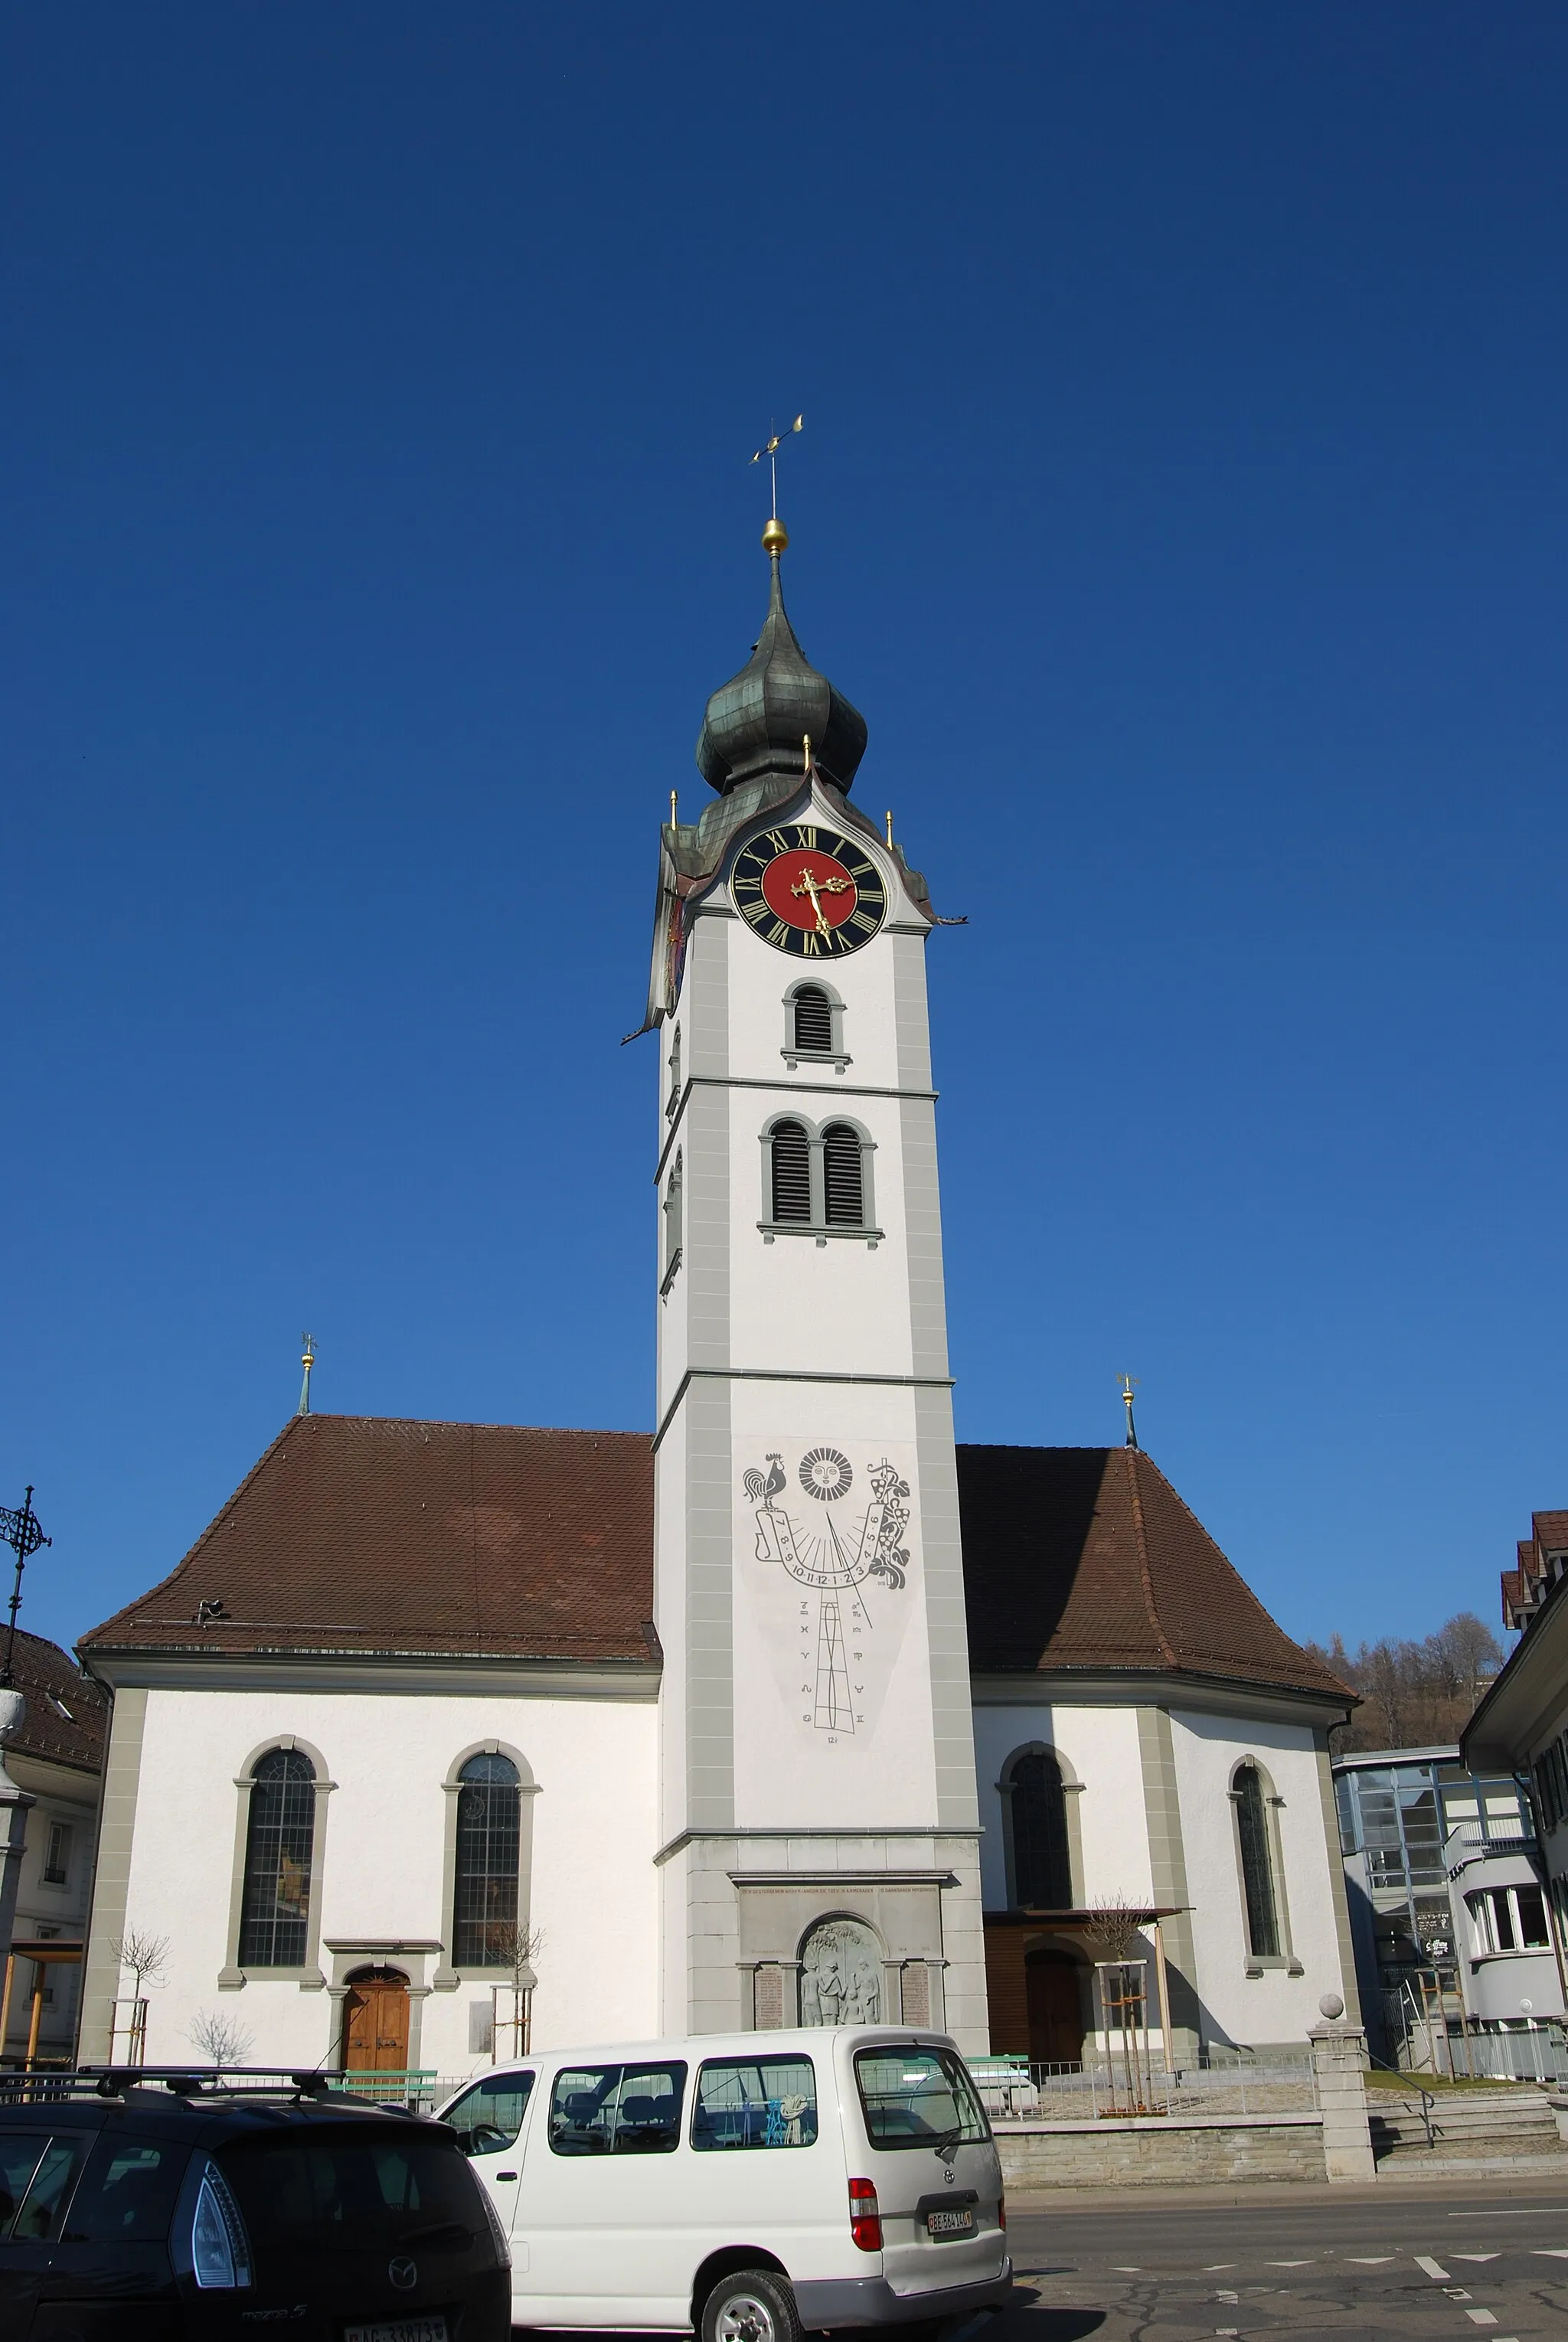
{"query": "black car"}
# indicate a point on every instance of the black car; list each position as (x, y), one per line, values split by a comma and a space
(136, 2207)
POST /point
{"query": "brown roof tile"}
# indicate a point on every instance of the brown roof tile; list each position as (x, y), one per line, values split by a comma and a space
(66, 1715)
(362, 1534)
(1085, 1557)
(1551, 1531)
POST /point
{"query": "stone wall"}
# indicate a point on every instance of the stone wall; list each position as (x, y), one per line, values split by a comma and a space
(1156, 2152)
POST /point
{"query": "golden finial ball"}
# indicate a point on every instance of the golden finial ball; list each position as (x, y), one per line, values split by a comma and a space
(775, 537)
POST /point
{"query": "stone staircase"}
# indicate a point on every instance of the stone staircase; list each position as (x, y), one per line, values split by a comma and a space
(1473, 2131)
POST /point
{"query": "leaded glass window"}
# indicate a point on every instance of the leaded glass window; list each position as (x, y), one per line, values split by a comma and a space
(274, 1913)
(1042, 1872)
(1257, 1866)
(485, 1898)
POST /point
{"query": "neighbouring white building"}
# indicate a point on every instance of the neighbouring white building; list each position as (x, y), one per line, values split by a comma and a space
(52, 1751)
(794, 1710)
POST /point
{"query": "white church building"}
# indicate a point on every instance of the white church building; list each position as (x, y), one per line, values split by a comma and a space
(790, 1711)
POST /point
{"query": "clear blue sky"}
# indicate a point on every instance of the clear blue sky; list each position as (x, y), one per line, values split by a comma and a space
(1182, 501)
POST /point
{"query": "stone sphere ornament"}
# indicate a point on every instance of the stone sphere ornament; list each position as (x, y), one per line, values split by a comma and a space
(1332, 2006)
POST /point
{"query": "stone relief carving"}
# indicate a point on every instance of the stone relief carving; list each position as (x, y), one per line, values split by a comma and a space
(840, 1974)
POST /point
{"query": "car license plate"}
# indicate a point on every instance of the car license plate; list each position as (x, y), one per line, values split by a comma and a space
(959, 2222)
(397, 2329)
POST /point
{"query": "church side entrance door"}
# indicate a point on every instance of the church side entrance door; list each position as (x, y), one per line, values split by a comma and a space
(375, 2022)
(1055, 2009)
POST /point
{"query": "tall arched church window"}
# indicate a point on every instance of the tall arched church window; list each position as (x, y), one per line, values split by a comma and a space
(1257, 1863)
(274, 1910)
(1041, 1869)
(791, 1171)
(485, 1875)
(813, 1019)
(844, 1182)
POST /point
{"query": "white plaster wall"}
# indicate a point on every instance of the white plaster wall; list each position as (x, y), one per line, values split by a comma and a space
(594, 1884)
(1099, 1747)
(669, 1622)
(1275, 2007)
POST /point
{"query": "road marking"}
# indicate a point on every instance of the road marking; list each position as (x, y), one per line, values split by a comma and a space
(1481, 2317)
(1125, 2269)
(1424, 2261)
(1550, 2253)
(1473, 2256)
(1210, 2267)
(1371, 2260)
(1287, 2265)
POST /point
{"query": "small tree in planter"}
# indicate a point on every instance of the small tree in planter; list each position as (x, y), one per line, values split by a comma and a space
(146, 1957)
(1112, 1934)
(514, 1945)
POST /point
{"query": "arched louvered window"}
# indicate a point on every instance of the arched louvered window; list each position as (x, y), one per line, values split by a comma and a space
(1257, 1863)
(813, 1019)
(791, 1153)
(280, 1835)
(844, 1182)
(1042, 1870)
(485, 1890)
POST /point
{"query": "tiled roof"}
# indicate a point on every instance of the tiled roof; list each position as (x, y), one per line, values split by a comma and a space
(1085, 1557)
(66, 1715)
(361, 1534)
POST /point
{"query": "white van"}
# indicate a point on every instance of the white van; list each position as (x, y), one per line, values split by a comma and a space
(748, 2186)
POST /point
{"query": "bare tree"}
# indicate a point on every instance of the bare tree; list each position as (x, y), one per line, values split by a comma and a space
(514, 1946)
(146, 1957)
(219, 2037)
(1413, 1693)
(1111, 1934)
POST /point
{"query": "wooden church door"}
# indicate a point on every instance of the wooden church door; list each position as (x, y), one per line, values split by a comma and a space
(375, 2023)
(1055, 2009)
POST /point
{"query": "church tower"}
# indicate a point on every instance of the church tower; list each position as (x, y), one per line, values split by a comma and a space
(819, 1840)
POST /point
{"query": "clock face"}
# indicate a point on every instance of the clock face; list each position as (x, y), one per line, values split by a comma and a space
(808, 890)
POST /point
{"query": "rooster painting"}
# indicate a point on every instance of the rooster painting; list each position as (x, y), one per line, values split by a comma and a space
(759, 1491)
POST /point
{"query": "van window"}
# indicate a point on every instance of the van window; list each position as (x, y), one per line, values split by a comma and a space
(19, 2152)
(127, 2192)
(754, 2102)
(918, 2098)
(346, 2191)
(616, 2110)
(488, 2117)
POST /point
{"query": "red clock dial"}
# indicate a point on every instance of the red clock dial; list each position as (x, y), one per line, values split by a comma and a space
(809, 891)
(797, 884)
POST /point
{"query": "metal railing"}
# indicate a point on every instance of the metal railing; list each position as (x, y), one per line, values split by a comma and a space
(1023, 2090)
(419, 2090)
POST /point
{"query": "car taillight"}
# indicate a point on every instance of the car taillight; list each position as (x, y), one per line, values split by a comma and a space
(864, 2216)
(1002, 2210)
(220, 2249)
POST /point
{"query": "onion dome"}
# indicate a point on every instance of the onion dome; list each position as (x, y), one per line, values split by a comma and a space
(756, 722)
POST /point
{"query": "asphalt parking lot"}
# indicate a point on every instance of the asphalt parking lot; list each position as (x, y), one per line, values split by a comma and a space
(1444, 2264)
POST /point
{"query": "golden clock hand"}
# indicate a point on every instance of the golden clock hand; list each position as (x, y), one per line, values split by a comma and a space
(808, 885)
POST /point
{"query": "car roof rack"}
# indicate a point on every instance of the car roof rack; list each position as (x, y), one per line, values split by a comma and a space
(314, 2086)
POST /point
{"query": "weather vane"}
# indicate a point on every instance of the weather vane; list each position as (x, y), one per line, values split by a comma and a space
(21, 1532)
(770, 448)
(1129, 1385)
(307, 1360)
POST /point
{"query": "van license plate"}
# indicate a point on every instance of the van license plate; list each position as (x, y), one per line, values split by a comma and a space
(959, 2222)
(397, 2329)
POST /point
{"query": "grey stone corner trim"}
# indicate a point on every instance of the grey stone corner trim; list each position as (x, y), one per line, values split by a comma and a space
(1168, 1875)
(771, 1833)
(788, 1375)
(1343, 1940)
(112, 1874)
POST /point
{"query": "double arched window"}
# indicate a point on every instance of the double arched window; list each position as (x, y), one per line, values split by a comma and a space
(674, 1202)
(485, 1869)
(817, 1182)
(280, 1839)
(1038, 1836)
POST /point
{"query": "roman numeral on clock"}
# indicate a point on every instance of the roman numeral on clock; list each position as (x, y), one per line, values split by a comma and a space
(861, 920)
